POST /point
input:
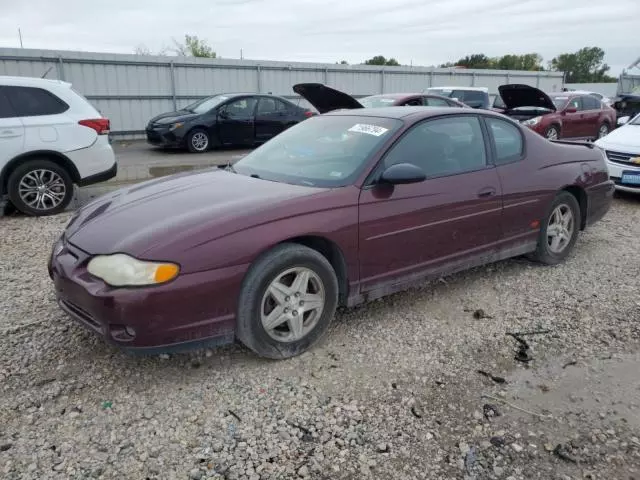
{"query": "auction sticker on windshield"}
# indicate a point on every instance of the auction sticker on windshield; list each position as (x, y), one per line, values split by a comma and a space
(374, 130)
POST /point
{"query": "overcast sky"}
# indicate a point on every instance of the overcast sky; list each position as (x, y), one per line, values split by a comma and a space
(422, 32)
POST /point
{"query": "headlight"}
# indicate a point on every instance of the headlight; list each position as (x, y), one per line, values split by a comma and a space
(174, 126)
(532, 121)
(120, 270)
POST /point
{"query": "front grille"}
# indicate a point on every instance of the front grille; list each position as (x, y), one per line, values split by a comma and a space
(82, 314)
(622, 158)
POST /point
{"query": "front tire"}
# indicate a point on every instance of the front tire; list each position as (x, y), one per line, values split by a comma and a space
(40, 187)
(198, 141)
(552, 133)
(287, 302)
(559, 231)
(603, 131)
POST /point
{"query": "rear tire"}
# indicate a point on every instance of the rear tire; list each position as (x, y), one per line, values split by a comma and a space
(552, 133)
(287, 301)
(198, 141)
(559, 230)
(40, 187)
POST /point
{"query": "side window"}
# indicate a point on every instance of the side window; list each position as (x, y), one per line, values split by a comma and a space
(474, 98)
(591, 103)
(507, 140)
(281, 106)
(30, 102)
(267, 106)
(445, 146)
(6, 110)
(435, 102)
(576, 103)
(240, 109)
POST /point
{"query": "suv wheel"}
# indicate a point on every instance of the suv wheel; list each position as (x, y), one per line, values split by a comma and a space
(603, 131)
(40, 187)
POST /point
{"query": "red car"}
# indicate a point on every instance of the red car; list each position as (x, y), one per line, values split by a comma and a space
(340, 209)
(326, 99)
(558, 115)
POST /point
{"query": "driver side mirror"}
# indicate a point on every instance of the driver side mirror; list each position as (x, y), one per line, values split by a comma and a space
(623, 120)
(223, 114)
(571, 110)
(402, 173)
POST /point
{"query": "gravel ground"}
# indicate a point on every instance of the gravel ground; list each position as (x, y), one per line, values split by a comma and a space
(393, 392)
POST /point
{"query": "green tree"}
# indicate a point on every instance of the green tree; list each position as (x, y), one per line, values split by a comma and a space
(342, 62)
(194, 47)
(528, 61)
(584, 66)
(380, 60)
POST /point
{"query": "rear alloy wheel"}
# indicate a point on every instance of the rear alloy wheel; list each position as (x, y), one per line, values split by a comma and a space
(559, 232)
(552, 133)
(198, 141)
(287, 301)
(40, 187)
(603, 131)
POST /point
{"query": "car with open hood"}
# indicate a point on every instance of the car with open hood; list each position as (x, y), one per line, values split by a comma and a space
(234, 119)
(340, 209)
(622, 147)
(326, 99)
(557, 115)
(626, 106)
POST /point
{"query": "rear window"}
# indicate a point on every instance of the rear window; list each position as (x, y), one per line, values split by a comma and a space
(32, 102)
(376, 102)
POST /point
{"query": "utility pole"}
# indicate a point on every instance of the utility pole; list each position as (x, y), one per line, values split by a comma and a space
(20, 35)
(241, 57)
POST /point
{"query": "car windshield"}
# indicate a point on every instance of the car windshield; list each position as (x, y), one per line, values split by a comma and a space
(324, 151)
(560, 101)
(376, 101)
(206, 104)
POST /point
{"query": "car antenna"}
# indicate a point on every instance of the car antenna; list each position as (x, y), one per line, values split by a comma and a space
(45, 73)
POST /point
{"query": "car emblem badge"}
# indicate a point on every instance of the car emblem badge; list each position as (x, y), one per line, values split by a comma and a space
(636, 160)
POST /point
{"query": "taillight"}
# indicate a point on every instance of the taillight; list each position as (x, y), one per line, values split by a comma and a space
(100, 125)
(308, 113)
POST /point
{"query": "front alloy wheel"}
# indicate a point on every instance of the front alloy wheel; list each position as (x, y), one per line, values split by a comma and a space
(560, 229)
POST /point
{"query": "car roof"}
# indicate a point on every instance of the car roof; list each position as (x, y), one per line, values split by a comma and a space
(394, 95)
(459, 87)
(401, 112)
(31, 81)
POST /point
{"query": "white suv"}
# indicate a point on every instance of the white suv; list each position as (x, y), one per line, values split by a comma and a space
(50, 139)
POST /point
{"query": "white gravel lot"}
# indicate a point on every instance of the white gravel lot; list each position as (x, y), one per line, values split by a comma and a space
(393, 392)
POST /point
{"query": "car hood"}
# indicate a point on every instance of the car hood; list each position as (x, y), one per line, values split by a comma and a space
(171, 210)
(325, 99)
(627, 136)
(517, 95)
(173, 117)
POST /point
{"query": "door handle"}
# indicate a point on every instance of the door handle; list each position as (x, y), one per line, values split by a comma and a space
(487, 192)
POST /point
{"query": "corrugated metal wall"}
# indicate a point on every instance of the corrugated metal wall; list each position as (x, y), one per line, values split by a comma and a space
(629, 84)
(130, 89)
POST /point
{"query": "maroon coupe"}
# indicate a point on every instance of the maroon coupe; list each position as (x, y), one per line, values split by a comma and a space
(340, 209)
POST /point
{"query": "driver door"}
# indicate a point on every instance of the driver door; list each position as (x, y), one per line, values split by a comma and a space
(449, 219)
(571, 123)
(236, 122)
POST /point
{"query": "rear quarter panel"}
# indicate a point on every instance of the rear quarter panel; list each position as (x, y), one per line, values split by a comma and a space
(530, 185)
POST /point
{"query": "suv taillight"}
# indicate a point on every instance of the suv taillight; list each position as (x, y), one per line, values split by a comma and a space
(309, 113)
(100, 125)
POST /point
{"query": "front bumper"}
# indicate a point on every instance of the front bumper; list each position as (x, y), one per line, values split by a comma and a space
(164, 137)
(615, 172)
(193, 310)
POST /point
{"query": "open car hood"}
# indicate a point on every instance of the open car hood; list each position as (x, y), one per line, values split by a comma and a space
(517, 96)
(324, 98)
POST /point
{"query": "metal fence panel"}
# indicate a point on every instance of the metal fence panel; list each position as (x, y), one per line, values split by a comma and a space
(130, 89)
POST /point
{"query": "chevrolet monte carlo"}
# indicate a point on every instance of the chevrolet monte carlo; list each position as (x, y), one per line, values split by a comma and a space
(340, 209)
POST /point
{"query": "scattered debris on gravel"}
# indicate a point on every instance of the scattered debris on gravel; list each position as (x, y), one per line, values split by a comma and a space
(393, 392)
